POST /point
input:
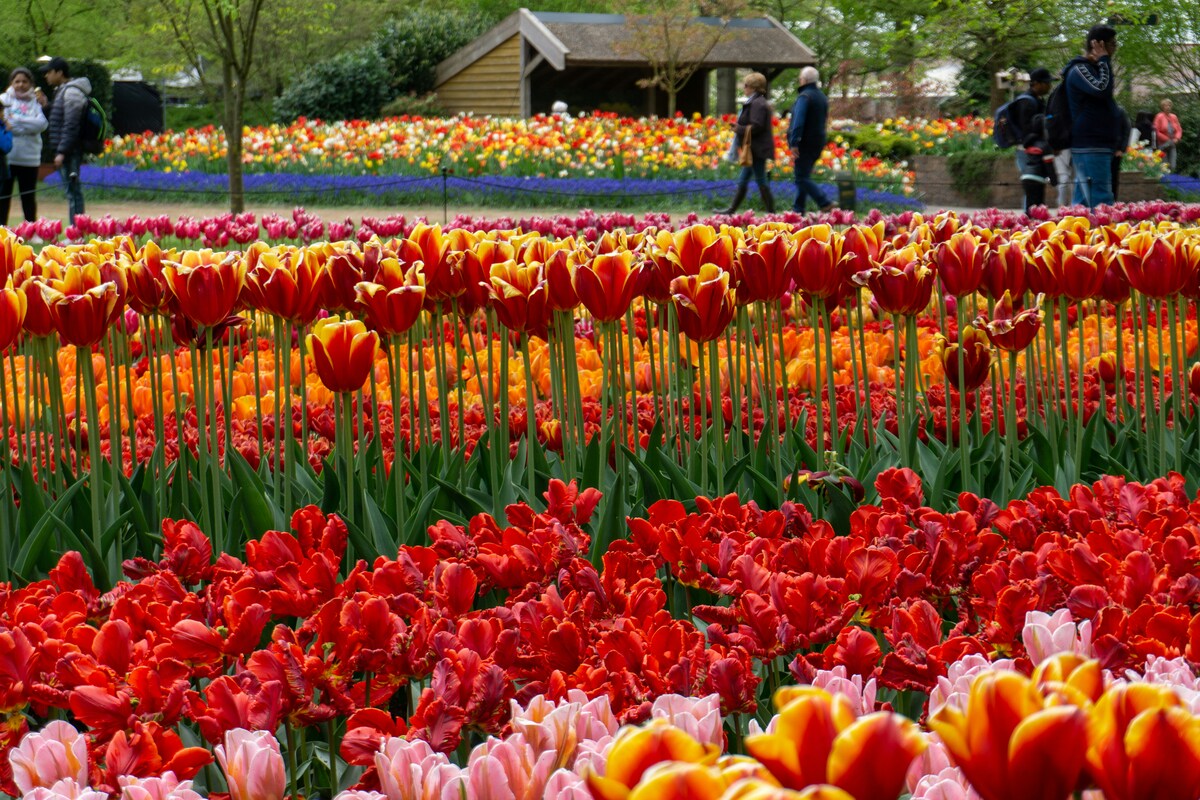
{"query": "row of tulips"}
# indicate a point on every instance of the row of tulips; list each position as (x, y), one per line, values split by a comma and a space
(711, 346)
(304, 227)
(409, 666)
(599, 144)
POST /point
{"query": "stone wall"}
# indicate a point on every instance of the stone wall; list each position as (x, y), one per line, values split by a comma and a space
(935, 185)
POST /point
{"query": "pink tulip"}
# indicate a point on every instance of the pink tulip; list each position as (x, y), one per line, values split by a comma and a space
(253, 765)
(166, 787)
(48, 756)
(700, 718)
(359, 794)
(836, 681)
(933, 761)
(1045, 635)
(66, 789)
(411, 770)
(949, 784)
(1174, 672)
(504, 770)
(564, 785)
(953, 687)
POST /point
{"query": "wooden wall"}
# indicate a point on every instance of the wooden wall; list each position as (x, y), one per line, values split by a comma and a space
(491, 85)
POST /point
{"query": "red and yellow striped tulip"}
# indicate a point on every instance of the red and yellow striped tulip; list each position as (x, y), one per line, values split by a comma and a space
(638, 749)
(1012, 331)
(343, 353)
(13, 306)
(81, 305)
(608, 282)
(704, 303)
(206, 285)
(393, 306)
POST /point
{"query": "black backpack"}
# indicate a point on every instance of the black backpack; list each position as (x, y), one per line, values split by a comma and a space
(1058, 119)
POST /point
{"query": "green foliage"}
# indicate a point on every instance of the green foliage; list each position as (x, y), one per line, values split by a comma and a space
(1188, 150)
(884, 145)
(413, 105)
(351, 85)
(413, 45)
(973, 172)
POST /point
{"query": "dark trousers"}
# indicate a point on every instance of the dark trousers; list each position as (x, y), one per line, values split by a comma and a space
(69, 171)
(805, 187)
(1116, 175)
(25, 179)
(757, 170)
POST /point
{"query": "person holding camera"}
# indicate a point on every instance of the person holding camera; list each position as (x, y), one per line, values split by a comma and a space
(67, 111)
(1094, 117)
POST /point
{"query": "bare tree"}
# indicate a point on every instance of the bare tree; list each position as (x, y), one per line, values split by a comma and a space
(220, 32)
(675, 37)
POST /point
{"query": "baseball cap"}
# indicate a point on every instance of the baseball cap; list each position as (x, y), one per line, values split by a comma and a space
(57, 63)
(1101, 33)
(1041, 75)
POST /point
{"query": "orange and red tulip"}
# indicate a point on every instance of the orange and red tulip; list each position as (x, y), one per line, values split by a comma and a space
(819, 263)
(1010, 743)
(751, 789)
(1143, 744)
(393, 308)
(1004, 269)
(704, 303)
(1076, 679)
(13, 305)
(901, 281)
(1152, 265)
(147, 286)
(818, 740)
(206, 289)
(638, 749)
(960, 261)
(81, 305)
(765, 269)
(976, 361)
(608, 282)
(520, 296)
(862, 245)
(292, 285)
(1083, 270)
(343, 353)
(1009, 330)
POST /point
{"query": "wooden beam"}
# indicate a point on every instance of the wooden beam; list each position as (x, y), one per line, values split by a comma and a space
(532, 64)
(543, 40)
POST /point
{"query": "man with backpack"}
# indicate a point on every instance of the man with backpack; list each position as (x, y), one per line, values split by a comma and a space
(1025, 119)
(1088, 86)
(68, 118)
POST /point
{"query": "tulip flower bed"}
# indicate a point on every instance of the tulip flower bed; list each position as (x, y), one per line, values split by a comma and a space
(596, 145)
(511, 657)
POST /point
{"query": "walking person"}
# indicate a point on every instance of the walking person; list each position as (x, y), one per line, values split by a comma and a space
(67, 111)
(1088, 83)
(1034, 158)
(757, 121)
(23, 117)
(807, 137)
(1168, 131)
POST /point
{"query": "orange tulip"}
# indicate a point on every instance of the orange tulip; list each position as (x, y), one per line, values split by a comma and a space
(1077, 680)
(637, 749)
(343, 353)
(477, 268)
(13, 306)
(607, 284)
(1143, 744)
(393, 308)
(960, 261)
(977, 358)
(1011, 331)
(520, 296)
(752, 789)
(81, 305)
(674, 780)
(704, 303)
(205, 288)
(13, 255)
(1012, 745)
(443, 273)
(560, 270)
(818, 740)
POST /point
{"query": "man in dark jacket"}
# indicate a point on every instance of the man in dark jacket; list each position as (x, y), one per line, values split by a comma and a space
(1094, 119)
(67, 111)
(1034, 157)
(806, 137)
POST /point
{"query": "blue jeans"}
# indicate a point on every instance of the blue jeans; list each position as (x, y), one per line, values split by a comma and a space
(757, 170)
(70, 166)
(1093, 176)
(805, 187)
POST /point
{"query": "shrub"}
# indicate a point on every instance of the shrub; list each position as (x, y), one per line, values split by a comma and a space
(413, 45)
(884, 145)
(350, 85)
(413, 105)
(1187, 156)
(973, 173)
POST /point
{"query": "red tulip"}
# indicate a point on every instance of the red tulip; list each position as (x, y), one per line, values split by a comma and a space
(765, 269)
(520, 297)
(1152, 264)
(902, 282)
(1083, 270)
(393, 308)
(607, 284)
(13, 305)
(289, 283)
(704, 303)
(976, 362)
(960, 261)
(81, 305)
(206, 289)
(818, 263)
(1004, 269)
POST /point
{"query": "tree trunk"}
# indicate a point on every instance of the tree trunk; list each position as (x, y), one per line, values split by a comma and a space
(671, 103)
(232, 120)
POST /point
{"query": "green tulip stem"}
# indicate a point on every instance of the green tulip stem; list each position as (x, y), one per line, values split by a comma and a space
(531, 438)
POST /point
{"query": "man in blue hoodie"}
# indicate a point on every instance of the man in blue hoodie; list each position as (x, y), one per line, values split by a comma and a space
(1095, 120)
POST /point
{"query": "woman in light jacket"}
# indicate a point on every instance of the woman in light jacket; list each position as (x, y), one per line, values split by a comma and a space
(1168, 132)
(24, 118)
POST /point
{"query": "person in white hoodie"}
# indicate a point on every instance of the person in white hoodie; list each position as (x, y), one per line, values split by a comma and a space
(25, 120)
